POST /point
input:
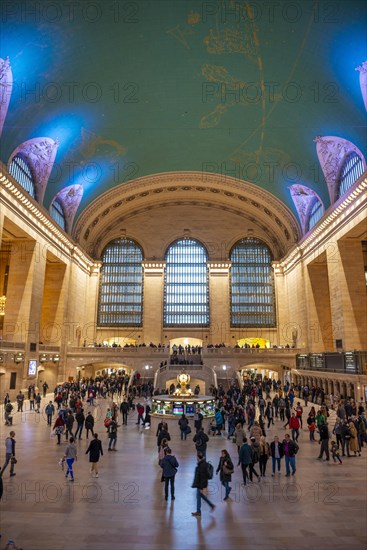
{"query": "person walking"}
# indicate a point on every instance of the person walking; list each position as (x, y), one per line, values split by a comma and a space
(255, 459)
(183, 423)
(290, 450)
(277, 453)
(7, 414)
(294, 425)
(70, 456)
(201, 439)
(124, 410)
(50, 411)
(80, 419)
(59, 427)
(140, 411)
(89, 424)
(69, 422)
(112, 435)
(9, 454)
(239, 436)
(20, 401)
(226, 468)
(264, 455)
(200, 484)
(38, 400)
(95, 451)
(324, 441)
(245, 459)
(334, 449)
(169, 466)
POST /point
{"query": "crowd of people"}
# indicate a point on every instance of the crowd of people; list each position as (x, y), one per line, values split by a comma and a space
(243, 416)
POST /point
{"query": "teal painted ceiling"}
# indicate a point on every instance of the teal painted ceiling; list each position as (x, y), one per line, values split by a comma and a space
(137, 88)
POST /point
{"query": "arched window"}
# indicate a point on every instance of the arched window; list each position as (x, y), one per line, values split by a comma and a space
(351, 170)
(252, 285)
(316, 213)
(121, 286)
(22, 173)
(57, 213)
(186, 295)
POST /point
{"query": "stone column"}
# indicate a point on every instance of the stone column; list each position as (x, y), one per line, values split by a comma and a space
(220, 322)
(153, 301)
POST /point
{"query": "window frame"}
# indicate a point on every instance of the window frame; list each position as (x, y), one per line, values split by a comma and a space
(31, 180)
(168, 316)
(270, 317)
(121, 276)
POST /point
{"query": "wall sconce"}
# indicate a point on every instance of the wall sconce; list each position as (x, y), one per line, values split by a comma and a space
(43, 358)
(18, 358)
(56, 358)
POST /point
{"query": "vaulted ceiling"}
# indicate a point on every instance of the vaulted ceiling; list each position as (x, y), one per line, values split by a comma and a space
(132, 89)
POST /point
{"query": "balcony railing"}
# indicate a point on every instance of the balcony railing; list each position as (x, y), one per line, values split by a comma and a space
(5, 345)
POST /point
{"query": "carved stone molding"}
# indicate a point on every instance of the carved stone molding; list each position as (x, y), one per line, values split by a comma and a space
(40, 154)
(332, 151)
(194, 187)
(363, 81)
(6, 86)
(70, 198)
(304, 198)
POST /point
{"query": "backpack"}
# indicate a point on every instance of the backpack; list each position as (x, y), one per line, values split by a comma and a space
(210, 470)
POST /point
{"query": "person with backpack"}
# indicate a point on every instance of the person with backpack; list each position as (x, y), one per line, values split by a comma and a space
(226, 468)
(203, 472)
(183, 423)
(201, 439)
(169, 466)
(290, 449)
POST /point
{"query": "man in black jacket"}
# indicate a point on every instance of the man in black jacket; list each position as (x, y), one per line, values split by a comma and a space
(201, 439)
(124, 410)
(324, 441)
(200, 483)
(80, 418)
(95, 451)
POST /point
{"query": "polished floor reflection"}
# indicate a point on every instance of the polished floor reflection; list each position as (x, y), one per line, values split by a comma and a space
(322, 507)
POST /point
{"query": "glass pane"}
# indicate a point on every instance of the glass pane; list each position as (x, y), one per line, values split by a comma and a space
(121, 285)
(252, 285)
(186, 296)
(21, 172)
(316, 213)
(352, 170)
(57, 213)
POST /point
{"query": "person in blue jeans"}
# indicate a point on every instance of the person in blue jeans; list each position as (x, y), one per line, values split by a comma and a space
(183, 423)
(290, 450)
(70, 456)
(200, 483)
(276, 453)
(225, 467)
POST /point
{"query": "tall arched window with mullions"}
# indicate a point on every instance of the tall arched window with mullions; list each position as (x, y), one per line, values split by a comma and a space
(351, 170)
(252, 285)
(22, 173)
(186, 293)
(121, 286)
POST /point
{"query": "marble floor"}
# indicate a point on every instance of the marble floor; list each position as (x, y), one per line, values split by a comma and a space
(322, 507)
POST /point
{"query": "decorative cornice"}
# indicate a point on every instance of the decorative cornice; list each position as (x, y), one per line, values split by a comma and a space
(334, 218)
(227, 192)
(13, 196)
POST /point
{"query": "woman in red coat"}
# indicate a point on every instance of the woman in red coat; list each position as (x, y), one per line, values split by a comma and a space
(59, 427)
(294, 425)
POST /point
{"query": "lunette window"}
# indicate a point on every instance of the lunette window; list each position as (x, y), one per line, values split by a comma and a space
(22, 173)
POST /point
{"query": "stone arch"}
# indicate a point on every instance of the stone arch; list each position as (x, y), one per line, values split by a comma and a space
(40, 154)
(70, 198)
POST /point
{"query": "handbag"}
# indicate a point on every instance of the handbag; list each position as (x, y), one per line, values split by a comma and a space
(13, 460)
(227, 471)
(188, 430)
